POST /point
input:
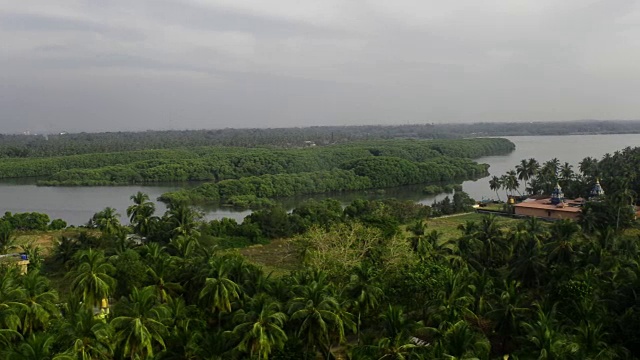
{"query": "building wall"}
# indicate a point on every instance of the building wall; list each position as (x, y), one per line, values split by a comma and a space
(531, 212)
(546, 213)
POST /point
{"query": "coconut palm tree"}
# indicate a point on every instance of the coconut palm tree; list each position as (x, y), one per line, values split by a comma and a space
(528, 263)
(491, 239)
(397, 348)
(107, 220)
(495, 184)
(543, 333)
(460, 341)
(566, 172)
(395, 323)
(12, 296)
(260, 328)
(512, 184)
(219, 291)
(319, 316)
(86, 336)
(508, 313)
(7, 240)
(140, 324)
(523, 171)
(183, 220)
(365, 291)
(589, 167)
(140, 205)
(90, 279)
(560, 248)
(183, 245)
(160, 276)
(533, 166)
(141, 213)
(453, 301)
(591, 339)
(40, 303)
(186, 338)
(37, 347)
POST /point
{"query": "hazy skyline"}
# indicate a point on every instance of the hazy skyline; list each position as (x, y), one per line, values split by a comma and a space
(166, 64)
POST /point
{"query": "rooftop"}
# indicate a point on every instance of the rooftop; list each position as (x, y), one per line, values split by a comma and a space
(569, 205)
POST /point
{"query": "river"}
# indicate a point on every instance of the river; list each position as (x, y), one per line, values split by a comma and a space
(77, 204)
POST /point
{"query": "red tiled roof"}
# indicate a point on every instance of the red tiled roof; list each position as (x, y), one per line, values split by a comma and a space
(546, 204)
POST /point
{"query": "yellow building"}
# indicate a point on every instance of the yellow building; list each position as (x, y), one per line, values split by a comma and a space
(21, 261)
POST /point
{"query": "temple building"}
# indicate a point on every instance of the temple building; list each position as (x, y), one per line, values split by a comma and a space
(597, 191)
(554, 206)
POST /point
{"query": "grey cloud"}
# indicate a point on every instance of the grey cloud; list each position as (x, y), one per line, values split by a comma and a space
(116, 65)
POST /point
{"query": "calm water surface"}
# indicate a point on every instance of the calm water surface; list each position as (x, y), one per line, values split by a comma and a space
(77, 204)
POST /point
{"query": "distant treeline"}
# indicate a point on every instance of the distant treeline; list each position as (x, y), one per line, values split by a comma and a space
(225, 163)
(24, 146)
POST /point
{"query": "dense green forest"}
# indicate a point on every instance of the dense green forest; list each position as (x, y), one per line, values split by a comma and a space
(368, 281)
(374, 172)
(23, 146)
(364, 165)
(222, 163)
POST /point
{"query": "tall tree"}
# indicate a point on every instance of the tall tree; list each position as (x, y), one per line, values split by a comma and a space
(37, 347)
(495, 184)
(260, 328)
(183, 219)
(141, 213)
(7, 240)
(91, 278)
(40, 303)
(107, 220)
(140, 324)
(86, 336)
(12, 296)
(365, 291)
(319, 316)
(219, 291)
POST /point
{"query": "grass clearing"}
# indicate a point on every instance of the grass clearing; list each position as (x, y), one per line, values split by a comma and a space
(280, 256)
(46, 239)
(448, 225)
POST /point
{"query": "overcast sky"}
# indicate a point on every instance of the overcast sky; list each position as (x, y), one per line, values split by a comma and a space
(108, 65)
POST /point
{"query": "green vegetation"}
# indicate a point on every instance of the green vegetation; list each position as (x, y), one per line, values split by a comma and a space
(432, 189)
(377, 279)
(358, 166)
(223, 163)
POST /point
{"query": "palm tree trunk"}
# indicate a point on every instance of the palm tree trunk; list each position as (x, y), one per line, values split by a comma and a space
(359, 323)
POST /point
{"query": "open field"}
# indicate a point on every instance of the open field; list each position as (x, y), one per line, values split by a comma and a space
(280, 256)
(448, 225)
(46, 239)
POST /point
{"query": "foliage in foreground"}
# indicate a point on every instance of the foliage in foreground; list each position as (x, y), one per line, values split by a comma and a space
(362, 291)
